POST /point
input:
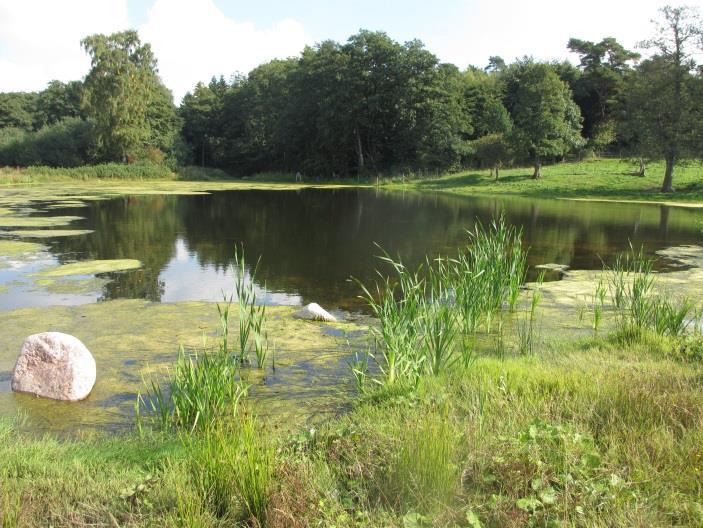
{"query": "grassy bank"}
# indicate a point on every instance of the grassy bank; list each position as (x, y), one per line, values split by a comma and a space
(593, 179)
(109, 172)
(595, 434)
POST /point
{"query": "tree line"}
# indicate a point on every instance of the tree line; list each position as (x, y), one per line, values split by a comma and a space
(372, 105)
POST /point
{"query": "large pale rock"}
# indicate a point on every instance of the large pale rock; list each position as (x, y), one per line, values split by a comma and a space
(54, 365)
(314, 312)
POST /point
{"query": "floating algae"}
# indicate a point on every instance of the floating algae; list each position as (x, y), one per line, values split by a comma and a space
(71, 285)
(15, 248)
(49, 233)
(37, 221)
(91, 267)
(135, 340)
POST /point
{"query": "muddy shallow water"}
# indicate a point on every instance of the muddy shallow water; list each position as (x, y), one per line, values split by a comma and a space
(170, 257)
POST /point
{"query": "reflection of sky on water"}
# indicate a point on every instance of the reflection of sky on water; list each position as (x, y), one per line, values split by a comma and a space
(23, 292)
(185, 279)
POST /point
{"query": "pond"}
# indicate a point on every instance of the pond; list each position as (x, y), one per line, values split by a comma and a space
(311, 242)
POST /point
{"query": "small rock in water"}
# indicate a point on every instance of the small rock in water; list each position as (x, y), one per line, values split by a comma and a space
(553, 267)
(54, 365)
(314, 312)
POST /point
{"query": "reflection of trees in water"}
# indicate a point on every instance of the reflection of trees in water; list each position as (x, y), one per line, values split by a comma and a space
(132, 227)
(312, 241)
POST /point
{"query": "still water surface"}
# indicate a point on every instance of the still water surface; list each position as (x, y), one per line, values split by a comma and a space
(312, 241)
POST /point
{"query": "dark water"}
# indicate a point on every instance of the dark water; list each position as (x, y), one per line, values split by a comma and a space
(312, 241)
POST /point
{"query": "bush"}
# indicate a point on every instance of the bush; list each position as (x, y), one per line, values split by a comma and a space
(67, 143)
(106, 171)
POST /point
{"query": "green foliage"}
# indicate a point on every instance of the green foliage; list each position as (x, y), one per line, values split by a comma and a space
(561, 475)
(124, 97)
(103, 171)
(546, 120)
(424, 314)
(605, 66)
(663, 100)
(65, 143)
(492, 151)
(17, 110)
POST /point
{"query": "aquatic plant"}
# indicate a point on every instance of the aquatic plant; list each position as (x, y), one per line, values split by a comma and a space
(632, 287)
(204, 389)
(598, 303)
(527, 327)
(424, 314)
(397, 304)
(252, 316)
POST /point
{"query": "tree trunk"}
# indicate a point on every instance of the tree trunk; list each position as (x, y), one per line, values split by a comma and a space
(497, 169)
(359, 150)
(538, 168)
(668, 175)
(202, 153)
(643, 169)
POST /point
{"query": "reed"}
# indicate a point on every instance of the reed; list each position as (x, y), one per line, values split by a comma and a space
(428, 318)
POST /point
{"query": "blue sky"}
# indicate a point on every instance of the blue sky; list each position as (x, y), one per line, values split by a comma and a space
(196, 39)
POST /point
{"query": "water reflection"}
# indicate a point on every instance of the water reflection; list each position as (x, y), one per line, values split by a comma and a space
(312, 241)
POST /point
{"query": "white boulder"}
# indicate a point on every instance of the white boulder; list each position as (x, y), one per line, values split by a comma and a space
(314, 312)
(54, 365)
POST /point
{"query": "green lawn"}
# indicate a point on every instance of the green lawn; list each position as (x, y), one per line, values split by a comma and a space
(596, 179)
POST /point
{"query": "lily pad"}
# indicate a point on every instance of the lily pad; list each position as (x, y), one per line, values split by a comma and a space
(91, 267)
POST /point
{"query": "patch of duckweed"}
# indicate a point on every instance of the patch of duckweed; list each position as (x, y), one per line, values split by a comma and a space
(37, 221)
(72, 286)
(15, 248)
(133, 340)
(49, 233)
(91, 267)
(65, 204)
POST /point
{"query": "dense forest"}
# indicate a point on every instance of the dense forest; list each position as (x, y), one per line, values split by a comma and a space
(372, 105)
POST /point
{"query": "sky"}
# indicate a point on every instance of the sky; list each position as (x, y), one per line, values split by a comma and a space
(196, 39)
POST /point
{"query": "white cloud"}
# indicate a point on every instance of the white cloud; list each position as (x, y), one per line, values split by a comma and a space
(541, 28)
(194, 40)
(40, 40)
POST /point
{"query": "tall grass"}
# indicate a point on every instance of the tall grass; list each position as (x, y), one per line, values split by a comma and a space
(252, 316)
(428, 318)
(528, 326)
(205, 388)
(638, 305)
(232, 466)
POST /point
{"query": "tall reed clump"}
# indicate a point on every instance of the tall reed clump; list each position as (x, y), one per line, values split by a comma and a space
(638, 306)
(252, 316)
(528, 325)
(428, 318)
(204, 389)
(206, 386)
